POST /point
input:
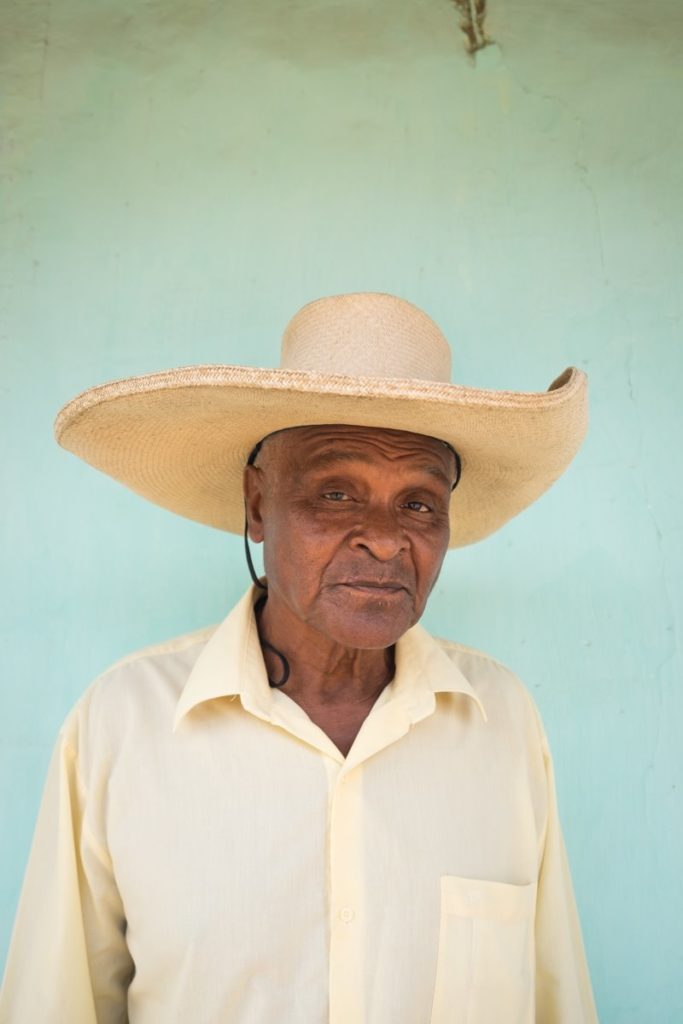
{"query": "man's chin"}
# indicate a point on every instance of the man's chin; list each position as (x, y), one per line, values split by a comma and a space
(375, 622)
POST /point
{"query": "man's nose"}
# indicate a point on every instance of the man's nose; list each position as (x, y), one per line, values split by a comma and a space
(381, 534)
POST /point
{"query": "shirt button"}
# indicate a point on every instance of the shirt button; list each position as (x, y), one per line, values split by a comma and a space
(346, 915)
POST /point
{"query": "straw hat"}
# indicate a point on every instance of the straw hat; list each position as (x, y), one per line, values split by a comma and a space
(181, 437)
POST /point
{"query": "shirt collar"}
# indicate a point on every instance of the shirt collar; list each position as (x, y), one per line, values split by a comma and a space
(231, 664)
(422, 662)
(230, 657)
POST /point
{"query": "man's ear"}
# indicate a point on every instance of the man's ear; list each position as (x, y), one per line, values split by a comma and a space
(252, 484)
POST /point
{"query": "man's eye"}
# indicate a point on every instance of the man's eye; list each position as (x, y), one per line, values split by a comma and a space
(417, 506)
(336, 496)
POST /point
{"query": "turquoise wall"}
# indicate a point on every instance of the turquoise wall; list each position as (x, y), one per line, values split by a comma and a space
(179, 177)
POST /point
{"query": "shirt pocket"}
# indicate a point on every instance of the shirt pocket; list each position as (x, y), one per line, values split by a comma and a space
(485, 966)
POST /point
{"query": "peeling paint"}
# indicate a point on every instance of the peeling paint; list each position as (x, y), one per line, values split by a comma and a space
(473, 14)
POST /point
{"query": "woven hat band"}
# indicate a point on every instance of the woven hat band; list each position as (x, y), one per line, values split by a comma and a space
(366, 335)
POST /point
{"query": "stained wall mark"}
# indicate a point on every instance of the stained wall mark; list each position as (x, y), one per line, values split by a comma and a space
(472, 15)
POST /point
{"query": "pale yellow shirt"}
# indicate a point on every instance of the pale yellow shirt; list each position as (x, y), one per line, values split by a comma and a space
(205, 854)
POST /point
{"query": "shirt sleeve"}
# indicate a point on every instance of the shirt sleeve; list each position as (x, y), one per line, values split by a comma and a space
(563, 987)
(68, 962)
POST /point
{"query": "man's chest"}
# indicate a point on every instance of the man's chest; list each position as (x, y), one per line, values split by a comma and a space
(292, 866)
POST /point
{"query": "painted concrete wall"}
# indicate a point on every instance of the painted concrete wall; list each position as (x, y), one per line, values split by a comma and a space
(179, 177)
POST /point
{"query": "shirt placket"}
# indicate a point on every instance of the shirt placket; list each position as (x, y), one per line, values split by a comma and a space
(348, 928)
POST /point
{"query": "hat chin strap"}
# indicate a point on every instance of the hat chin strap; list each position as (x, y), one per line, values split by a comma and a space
(258, 606)
(252, 571)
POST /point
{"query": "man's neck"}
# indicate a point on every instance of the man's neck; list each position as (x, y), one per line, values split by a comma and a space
(336, 685)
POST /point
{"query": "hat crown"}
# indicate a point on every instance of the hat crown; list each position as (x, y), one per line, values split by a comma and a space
(366, 334)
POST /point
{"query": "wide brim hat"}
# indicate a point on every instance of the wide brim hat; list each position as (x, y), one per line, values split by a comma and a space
(182, 437)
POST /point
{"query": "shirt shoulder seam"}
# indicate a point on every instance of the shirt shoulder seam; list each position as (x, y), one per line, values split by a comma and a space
(464, 649)
(172, 646)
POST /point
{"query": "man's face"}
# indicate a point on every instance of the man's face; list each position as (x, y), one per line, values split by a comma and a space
(355, 527)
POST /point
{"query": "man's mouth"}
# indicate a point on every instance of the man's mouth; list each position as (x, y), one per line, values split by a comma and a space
(377, 587)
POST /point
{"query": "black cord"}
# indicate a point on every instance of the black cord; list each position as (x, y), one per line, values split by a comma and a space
(252, 572)
(458, 464)
(275, 683)
(250, 564)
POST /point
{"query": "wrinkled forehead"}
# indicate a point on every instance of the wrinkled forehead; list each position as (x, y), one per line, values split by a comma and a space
(332, 442)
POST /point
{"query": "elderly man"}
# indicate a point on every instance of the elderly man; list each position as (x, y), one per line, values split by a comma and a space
(315, 812)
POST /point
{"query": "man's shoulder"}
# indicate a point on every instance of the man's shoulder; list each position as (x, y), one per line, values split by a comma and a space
(165, 664)
(476, 663)
(144, 686)
(497, 685)
(164, 653)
